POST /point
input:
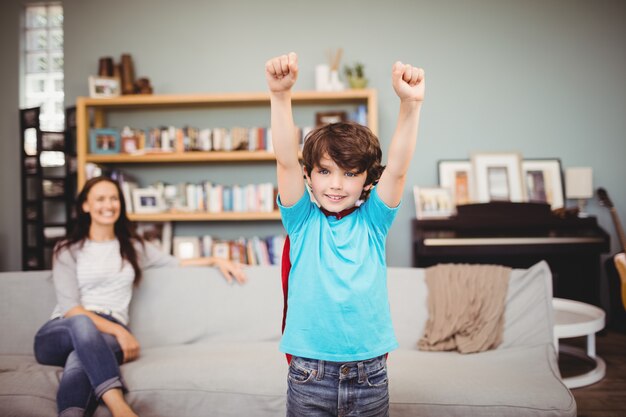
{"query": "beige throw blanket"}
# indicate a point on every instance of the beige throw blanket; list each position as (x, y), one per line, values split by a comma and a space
(465, 307)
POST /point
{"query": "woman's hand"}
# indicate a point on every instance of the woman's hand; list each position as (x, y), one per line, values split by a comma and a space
(230, 270)
(128, 343)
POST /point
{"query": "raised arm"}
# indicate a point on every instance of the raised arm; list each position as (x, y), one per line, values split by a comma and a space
(408, 83)
(281, 74)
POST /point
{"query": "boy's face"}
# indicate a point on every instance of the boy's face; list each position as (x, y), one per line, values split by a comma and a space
(333, 187)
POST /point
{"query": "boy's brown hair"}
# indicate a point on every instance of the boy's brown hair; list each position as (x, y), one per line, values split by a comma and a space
(350, 145)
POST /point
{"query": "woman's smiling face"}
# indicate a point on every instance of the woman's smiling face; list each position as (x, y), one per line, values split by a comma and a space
(103, 204)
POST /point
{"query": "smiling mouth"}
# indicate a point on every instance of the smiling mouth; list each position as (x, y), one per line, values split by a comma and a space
(335, 197)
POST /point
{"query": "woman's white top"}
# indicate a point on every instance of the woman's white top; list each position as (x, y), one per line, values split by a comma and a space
(95, 276)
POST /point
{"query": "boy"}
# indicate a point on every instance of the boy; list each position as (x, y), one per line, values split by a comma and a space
(338, 326)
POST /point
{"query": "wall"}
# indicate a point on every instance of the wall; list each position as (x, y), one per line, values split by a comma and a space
(10, 198)
(541, 78)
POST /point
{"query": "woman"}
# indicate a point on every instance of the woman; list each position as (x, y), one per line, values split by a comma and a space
(94, 271)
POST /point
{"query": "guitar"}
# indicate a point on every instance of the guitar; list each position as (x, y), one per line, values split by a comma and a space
(616, 266)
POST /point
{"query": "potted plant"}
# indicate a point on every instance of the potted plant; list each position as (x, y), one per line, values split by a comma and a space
(355, 75)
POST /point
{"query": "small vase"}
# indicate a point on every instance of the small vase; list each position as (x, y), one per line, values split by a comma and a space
(356, 82)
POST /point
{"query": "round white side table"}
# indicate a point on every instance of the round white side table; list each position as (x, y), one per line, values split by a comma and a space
(575, 319)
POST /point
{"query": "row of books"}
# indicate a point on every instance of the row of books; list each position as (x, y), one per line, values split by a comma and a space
(204, 197)
(248, 251)
(189, 139)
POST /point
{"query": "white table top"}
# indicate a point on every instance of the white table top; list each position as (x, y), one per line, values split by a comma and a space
(574, 318)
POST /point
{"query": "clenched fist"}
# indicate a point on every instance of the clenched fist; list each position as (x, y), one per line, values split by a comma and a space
(408, 82)
(282, 72)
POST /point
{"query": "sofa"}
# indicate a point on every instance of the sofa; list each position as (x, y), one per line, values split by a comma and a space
(210, 348)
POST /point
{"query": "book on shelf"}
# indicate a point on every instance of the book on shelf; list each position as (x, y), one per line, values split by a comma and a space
(172, 139)
(249, 251)
(127, 192)
(159, 234)
(161, 197)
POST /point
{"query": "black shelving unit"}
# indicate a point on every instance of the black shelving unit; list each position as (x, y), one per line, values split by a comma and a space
(70, 165)
(48, 181)
(32, 190)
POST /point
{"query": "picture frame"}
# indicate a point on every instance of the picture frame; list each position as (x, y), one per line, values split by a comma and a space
(104, 141)
(328, 117)
(498, 177)
(147, 200)
(433, 202)
(133, 141)
(104, 87)
(543, 181)
(186, 247)
(457, 176)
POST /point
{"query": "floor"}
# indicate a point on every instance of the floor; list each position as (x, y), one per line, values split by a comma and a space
(606, 398)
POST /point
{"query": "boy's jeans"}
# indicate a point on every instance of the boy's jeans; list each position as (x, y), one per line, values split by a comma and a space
(90, 358)
(321, 388)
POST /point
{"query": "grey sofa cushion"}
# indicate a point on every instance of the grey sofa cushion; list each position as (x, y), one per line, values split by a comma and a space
(239, 379)
(521, 381)
(213, 310)
(26, 302)
(27, 389)
(528, 318)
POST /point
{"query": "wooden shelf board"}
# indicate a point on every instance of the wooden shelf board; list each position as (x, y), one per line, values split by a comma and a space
(223, 99)
(202, 216)
(232, 156)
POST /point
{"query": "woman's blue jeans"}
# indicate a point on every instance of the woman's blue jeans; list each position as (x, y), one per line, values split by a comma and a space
(90, 359)
(320, 388)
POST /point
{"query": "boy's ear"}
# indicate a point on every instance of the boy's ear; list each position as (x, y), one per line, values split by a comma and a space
(307, 177)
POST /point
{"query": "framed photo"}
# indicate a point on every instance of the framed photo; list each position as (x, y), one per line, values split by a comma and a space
(498, 177)
(543, 181)
(433, 203)
(186, 247)
(147, 200)
(132, 140)
(104, 87)
(104, 141)
(221, 249)
(457, 176)
(326, 118)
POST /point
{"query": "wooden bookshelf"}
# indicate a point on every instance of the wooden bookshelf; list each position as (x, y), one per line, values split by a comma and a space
(99, 108)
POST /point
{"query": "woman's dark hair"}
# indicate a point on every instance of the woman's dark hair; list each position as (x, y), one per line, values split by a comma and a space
(350, 145)
(124, 229)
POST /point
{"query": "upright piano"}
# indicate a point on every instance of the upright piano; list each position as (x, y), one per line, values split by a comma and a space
(518, 235)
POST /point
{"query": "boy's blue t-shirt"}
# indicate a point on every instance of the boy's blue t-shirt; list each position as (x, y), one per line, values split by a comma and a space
(338, 304)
